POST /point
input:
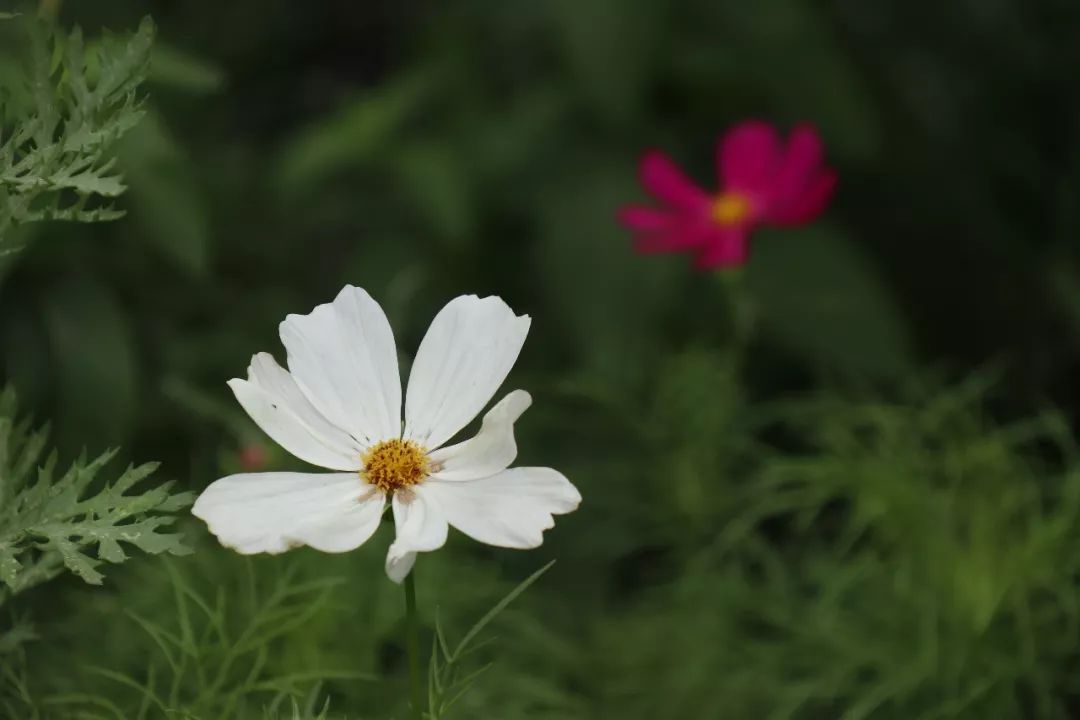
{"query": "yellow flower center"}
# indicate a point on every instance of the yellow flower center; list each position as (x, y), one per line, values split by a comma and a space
(395, 464)
(730, 208)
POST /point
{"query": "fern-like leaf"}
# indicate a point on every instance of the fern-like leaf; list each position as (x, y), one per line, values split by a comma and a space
(446, 682)
(61, 125)
(74, 521)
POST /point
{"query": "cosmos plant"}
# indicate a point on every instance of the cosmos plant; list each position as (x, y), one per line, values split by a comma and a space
(339, 406)
(764, 180)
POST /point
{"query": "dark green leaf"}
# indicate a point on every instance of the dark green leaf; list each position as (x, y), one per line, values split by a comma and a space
(93, 357)
(165, 198)
(47, 523)
(823, 298)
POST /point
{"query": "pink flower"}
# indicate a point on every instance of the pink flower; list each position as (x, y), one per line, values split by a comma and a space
(252, 457)
(763, 182)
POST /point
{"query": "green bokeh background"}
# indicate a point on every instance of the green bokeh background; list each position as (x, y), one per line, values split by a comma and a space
(827, 485)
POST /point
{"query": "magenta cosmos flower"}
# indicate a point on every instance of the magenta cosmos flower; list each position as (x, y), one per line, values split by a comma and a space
(763, 181)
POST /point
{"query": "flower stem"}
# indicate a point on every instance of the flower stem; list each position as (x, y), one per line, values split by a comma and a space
(412, 645)
(49, 9)
(741, 307)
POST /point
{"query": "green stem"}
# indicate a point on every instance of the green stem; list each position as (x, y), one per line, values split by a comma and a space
(49, 9)
(412, 645)
(741, 307)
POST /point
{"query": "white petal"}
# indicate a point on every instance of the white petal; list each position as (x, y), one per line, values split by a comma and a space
(464, 357)
(272, 399)
(399, 564)
(420, 527)
(342, 356)
(511, 509)
(489, 451)
(273, 512)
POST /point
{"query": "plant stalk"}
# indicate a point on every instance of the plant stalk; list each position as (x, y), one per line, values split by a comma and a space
(412, 646)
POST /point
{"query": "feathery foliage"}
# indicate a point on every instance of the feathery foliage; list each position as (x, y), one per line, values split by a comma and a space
(904, 559)
(311, 710)
(59, 121)
(216, 657)
(74, 521)
(446, 682)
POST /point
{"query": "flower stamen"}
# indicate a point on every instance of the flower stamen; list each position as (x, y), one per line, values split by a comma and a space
(395, 464)
(730, 208)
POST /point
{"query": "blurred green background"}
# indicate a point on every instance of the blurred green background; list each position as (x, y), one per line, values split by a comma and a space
(838, 483)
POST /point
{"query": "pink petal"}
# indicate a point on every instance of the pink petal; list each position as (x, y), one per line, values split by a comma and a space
(645, 219)
(802, 159)
(748, 156)
(727, 247)
(812, 202)
(666, 181)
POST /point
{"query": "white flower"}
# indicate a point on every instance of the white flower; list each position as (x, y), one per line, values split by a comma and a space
(338, 406)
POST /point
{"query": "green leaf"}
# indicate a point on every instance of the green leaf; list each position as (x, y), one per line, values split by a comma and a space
(499, 607)
(9, 564)
(610, 49)
(71, 105)
(19, 634)
(353, 135)
(77, 562)
(435, 179)
(820, 296)
(166, 199)
(172, 67)
(110, 550)
(445, 686)
(75, 520)
(593, 276)
(93, 356)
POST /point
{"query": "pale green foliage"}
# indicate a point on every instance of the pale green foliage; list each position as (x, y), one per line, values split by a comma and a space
(49, 522)
(905, 559)
(14, 690)
(312, 708)
(447, 683)
(215, 659)
(16, 700)
(60, 126)
(295, 712)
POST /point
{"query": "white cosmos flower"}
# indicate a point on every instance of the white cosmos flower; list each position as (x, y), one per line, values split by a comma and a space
(338, 406)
